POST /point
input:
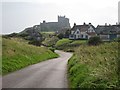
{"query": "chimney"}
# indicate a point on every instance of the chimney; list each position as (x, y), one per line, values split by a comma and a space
(105, 24)
(84, 23)
(74, 24)
(89, 23)
(43, 21)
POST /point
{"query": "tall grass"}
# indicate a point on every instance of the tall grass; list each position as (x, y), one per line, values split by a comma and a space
(94, 66)
(17, 55)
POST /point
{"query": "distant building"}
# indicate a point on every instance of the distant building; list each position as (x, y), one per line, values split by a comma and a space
(119, 12)
(108, 32)
(62, 23)
(84, 31)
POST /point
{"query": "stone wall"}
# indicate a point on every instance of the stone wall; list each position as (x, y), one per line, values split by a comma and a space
(62, 23)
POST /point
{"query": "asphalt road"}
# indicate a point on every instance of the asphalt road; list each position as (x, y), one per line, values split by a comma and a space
(46, 74)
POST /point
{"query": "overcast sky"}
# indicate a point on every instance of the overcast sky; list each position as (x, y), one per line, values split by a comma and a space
(20, 14)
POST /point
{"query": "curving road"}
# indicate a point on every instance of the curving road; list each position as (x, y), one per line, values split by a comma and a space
(47, 74)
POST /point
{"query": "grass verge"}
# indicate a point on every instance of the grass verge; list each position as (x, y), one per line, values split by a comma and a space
(17, 55)
(94, 67)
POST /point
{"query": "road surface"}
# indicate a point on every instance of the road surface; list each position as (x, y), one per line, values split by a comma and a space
(46, 74)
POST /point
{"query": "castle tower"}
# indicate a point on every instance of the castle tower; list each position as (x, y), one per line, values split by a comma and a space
(119, 12)
(63, 21)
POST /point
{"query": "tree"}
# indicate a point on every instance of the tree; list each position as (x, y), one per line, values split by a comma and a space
(36, 39)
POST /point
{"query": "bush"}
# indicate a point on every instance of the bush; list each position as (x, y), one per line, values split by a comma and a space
(70, 50)
(50, 42)
(52, 49)
(60, 36)
(117, 39)
(35, 42)
(94, 40)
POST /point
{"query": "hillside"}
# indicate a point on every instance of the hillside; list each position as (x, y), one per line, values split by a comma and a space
(94, 66)
(18, 54)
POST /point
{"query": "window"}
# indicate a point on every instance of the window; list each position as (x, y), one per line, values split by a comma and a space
(77, 32)
(82, 36)
(86, 37)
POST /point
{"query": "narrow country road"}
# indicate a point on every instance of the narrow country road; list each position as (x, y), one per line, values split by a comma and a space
(46, 74)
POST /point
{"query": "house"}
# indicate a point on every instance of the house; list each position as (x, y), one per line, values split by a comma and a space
(108, 32)
(84, 31)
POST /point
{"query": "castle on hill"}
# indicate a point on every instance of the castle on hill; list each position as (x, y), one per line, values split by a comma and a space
(62, 23)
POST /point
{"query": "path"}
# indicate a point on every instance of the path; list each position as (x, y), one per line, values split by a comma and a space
(46, 74)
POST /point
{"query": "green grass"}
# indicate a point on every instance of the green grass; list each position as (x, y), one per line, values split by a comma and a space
(94, 66)
(69, 45)
(63, 42)
(18, 54)
(79, 42)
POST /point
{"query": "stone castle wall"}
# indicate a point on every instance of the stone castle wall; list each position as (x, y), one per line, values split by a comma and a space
(62, 23)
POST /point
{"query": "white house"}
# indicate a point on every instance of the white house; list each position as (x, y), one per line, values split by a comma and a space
(84, 31)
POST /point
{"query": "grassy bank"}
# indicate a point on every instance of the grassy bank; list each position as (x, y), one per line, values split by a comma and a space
(18, 54)
(69, 45)
(94, 66)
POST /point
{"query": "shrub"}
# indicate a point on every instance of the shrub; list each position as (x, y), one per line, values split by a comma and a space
(50, 42)
(35, 42)
(117, 39)
(94, 40)
(52, 49)
(70, 50)
(60, 36)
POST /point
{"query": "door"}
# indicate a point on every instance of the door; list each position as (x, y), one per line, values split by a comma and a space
(113, 36)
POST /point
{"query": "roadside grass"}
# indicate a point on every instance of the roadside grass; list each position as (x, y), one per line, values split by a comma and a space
(94, 67)
(17, 54)
(69, 45)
